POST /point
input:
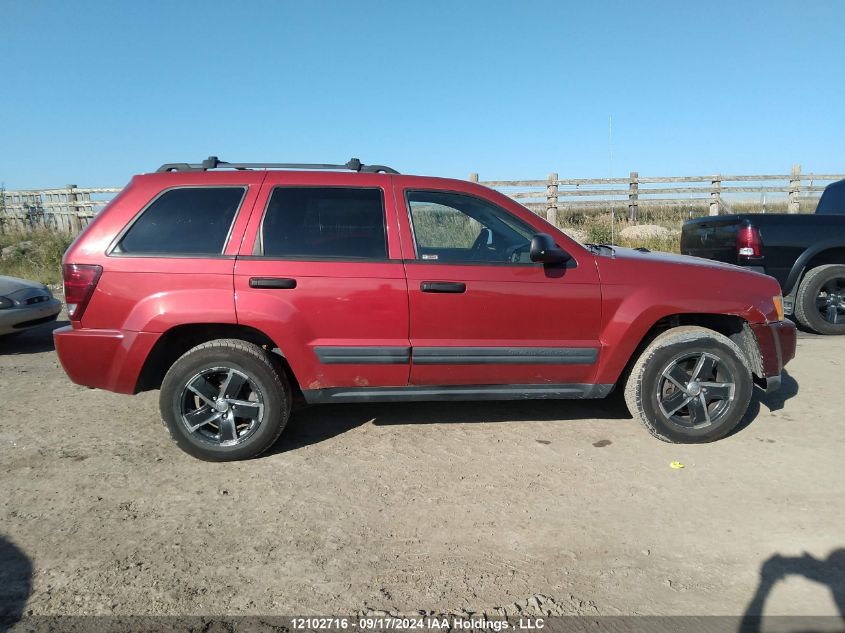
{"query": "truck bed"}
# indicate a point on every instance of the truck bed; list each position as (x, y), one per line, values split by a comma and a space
(786, 237)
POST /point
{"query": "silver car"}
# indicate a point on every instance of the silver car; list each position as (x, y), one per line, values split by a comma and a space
(25, 304)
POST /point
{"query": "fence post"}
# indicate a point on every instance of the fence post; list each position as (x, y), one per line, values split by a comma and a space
(74, 210)
(794, 188)
(551, 200)
(3, 218)
(473, 177)
(633, 196)
(715, 194)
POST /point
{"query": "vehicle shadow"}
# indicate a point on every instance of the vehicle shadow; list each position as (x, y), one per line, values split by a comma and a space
(829, 572)
(312, 425)
(15, 583)
(35, 341)
(774, 401)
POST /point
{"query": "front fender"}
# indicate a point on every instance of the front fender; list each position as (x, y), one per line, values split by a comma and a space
(633, 305)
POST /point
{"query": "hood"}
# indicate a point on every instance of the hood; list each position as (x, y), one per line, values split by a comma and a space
(11, 284)
(659, 257)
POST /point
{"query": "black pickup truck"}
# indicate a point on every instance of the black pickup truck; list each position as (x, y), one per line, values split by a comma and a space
(805, 253)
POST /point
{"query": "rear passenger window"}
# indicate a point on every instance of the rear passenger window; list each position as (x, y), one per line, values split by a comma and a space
(186, 221)
(324, 222)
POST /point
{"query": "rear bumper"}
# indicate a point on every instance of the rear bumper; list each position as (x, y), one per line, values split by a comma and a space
(103, 359)
(776, 342)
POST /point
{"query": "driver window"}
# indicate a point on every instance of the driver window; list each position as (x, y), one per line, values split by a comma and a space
(453, 227)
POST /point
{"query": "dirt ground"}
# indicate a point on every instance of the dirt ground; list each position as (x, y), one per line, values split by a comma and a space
(439, 507)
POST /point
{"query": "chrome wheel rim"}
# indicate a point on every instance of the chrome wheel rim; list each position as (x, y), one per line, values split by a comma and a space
(695, 390)
(830, 301)
(222, 405)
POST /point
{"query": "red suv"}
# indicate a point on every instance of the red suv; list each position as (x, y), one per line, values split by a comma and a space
(238, 288)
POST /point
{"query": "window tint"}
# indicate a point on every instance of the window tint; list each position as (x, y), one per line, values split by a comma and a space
(187, 221)
(323, 222)
(452, 227)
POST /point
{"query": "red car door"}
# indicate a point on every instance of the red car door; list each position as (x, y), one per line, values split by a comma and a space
(481, 312)
(320, 272)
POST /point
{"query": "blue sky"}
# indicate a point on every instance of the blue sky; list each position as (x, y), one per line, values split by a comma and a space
(96, 91)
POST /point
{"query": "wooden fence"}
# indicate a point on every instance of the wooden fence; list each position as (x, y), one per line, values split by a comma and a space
(68, 209)
(698, 194)
(71, 208)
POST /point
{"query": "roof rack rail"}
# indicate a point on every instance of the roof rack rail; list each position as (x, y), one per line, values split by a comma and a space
(212, 162)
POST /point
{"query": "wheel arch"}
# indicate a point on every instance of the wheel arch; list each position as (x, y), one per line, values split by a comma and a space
(181, 338)
(826, 252)
(731, 326)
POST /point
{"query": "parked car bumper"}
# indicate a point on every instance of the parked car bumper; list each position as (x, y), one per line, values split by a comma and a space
(18, 319)
(103, 359)
(777, 342)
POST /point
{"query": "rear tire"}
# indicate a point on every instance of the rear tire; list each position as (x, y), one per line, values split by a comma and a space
(690, 385)
(225, 400)
(820, 300)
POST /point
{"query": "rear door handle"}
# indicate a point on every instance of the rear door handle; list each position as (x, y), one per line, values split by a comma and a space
(443, 286)
(274, 283)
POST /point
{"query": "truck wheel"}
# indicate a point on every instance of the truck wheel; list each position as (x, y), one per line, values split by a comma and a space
(690, 385)
(820, 300)
(224, 400)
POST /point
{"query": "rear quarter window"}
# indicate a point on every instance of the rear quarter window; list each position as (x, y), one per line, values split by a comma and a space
(184, 221)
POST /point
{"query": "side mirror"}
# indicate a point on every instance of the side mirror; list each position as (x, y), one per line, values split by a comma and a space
(544, 249)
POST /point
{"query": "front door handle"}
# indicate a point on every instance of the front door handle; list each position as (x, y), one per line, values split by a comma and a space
(274, 283)
(443, 286)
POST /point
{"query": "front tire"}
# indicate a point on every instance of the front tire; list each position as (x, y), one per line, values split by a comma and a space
(225, 400)
(820, 300)
(690, 385)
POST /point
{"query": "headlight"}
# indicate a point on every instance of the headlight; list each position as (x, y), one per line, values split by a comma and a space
(5, 302)
(778, 301)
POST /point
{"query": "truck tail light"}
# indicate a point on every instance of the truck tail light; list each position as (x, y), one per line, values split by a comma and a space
(80, 281)
(748, 242)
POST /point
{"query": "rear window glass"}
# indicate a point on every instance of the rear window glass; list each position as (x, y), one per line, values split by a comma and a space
(324, 222)
(187, 221)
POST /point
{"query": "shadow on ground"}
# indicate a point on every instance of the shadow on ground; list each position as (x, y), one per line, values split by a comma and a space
(774, 401)
(15, 583)
(829, 572)
(35, 341)
(312, 425)
(316, 424)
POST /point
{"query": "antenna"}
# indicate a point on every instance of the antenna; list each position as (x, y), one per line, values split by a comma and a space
(610, 175)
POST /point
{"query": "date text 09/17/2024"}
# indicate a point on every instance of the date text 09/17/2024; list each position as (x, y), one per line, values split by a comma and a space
(439, 623)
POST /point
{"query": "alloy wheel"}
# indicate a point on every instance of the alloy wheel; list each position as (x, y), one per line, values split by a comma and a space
(222, 405)
(830, 301)
(695, 390)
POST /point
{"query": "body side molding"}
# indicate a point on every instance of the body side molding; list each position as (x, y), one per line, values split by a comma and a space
(369, 355)
(505, 355)
(374, 355)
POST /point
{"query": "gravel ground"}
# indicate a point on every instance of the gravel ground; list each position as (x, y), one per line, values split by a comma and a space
(438, 507)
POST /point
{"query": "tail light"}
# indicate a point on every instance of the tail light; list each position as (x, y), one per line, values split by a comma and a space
(80, 281)
(748, 242)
